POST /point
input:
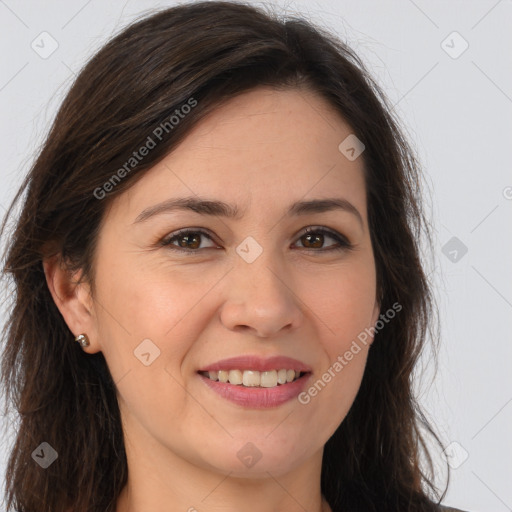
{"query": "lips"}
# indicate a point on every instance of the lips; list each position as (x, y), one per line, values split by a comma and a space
(258, 397)
(257, 363)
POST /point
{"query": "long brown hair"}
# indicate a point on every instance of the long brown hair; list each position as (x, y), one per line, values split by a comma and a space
(208, 52)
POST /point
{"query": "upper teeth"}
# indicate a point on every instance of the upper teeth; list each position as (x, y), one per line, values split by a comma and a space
(254, 378)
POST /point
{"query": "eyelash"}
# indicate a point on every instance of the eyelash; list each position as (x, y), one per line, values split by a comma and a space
(344, 244)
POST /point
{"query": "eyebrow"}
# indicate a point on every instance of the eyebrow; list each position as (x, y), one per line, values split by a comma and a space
(222, 209)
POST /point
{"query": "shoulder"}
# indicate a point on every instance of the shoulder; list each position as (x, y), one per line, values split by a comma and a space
(450, 509)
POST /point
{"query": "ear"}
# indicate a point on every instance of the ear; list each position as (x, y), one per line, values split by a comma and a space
(73, 299)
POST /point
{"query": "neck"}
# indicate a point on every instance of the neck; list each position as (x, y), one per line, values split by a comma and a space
(157, 479)
(162, 479)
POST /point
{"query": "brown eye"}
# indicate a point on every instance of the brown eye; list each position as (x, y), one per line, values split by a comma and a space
(187, 239)
(313, 241)
(190, 241)
(314, 238)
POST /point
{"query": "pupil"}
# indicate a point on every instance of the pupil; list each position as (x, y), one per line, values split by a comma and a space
(318, 237)
(186, 239)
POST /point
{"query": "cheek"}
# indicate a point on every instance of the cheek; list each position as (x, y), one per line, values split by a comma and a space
(149, 300)
(343, 301)
(145, 310)
(343, 310)
(343, 304)
(135, 304)
(170, 305)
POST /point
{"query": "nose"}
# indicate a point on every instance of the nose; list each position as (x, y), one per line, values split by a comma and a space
(261, 299)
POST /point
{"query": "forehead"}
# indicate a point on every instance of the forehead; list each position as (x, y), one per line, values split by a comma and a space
(259, 150)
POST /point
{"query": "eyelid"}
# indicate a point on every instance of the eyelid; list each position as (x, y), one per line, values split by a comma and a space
(165, 241)
(324, 230)
(343, 242)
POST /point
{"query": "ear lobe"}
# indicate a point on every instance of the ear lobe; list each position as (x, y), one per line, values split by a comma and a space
(73, 299)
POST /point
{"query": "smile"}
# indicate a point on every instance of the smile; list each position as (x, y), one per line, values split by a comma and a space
(253, 378)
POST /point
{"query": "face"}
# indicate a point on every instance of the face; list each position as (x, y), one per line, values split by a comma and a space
(168, 305)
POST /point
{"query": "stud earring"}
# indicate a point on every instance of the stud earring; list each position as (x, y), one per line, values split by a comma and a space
(83, 340)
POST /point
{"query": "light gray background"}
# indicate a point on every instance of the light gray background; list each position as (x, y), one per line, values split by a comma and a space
(457, 113)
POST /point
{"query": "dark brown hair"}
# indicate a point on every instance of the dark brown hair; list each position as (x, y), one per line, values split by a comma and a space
(208, 52)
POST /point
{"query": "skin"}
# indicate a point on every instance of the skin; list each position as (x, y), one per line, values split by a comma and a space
(295, 299)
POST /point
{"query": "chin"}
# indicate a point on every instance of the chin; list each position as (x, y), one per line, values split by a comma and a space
(256, 458)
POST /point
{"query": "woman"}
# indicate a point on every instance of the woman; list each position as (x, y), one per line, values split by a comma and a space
(269, 369)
